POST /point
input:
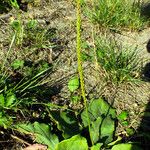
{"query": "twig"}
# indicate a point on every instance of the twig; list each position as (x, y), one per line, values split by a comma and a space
(20, 140)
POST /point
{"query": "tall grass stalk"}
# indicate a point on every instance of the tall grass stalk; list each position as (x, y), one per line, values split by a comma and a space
(33, 82)
(78, 51)
(3, 73)
(8, 53)
(93, 40)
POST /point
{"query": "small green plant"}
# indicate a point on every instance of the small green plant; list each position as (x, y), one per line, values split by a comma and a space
(122, 117)
(18, 29)
(32, 24)
(73, 86)
(115, 14)
(16, 24)
(8, 101)
(17, 64)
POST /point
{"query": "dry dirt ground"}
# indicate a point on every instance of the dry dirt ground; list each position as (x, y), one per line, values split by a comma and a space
(61, 15)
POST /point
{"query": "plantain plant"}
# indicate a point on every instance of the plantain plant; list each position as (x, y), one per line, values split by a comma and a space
(92, 127)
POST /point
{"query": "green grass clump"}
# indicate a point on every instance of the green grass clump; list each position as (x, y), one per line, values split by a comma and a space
(116, 14)
(31, 34)
(120, 64)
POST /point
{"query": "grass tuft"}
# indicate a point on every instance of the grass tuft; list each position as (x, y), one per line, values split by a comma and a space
(119, 63)
(116, 14)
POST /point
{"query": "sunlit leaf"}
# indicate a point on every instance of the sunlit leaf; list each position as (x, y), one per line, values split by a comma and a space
(97, 108)
(41, 132)
(77, 142)
(123, 115)
(32, 24)
(17, 64)
(73, 84)
(100, 116)
(126, 146)
(97, 146)
(10, 99)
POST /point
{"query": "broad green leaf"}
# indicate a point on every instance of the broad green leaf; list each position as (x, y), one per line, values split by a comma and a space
(77, 142)
(41, 132)
(102, 129)
(10, 99)
(17, 64)
(123, 116)
(95, 129)
(3, 122)
(66, 122)
(126, 146)
(44, 136)
(97, 146)
(26, 128)
(2, 100)
(73, 84)
(101, 120)
(107, 129)
(97, 108)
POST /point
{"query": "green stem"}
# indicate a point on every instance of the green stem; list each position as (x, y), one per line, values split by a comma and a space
(9, 50)
(80, 69)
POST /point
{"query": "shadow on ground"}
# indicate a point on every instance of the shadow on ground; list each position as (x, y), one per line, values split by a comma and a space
(143, 133)
(146, 72)
(146, 68)
(4, 7)
(145, 10)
